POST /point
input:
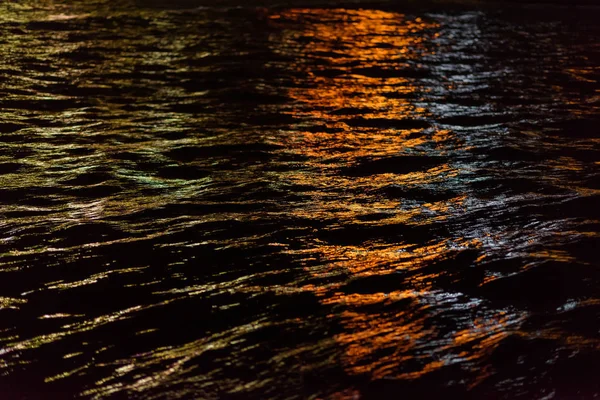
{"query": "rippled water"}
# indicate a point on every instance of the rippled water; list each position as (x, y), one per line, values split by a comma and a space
(293, 203)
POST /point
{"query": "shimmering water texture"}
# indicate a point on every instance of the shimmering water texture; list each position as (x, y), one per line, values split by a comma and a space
(298, 203)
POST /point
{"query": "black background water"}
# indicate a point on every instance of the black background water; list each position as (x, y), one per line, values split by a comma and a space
(290, 202)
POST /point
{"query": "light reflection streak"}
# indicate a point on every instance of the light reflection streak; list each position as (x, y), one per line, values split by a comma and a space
(11, 303)
(380, 39)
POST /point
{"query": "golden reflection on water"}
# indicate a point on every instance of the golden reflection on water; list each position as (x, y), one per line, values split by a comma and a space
(368, 52)
(371, 55)
(338, 92)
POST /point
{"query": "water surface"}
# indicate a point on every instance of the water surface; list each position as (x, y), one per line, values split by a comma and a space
(287, 203)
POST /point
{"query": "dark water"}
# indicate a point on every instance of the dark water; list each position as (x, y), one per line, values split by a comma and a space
(288, 203)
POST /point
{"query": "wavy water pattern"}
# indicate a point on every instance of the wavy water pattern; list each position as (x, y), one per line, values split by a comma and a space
(292, 203)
